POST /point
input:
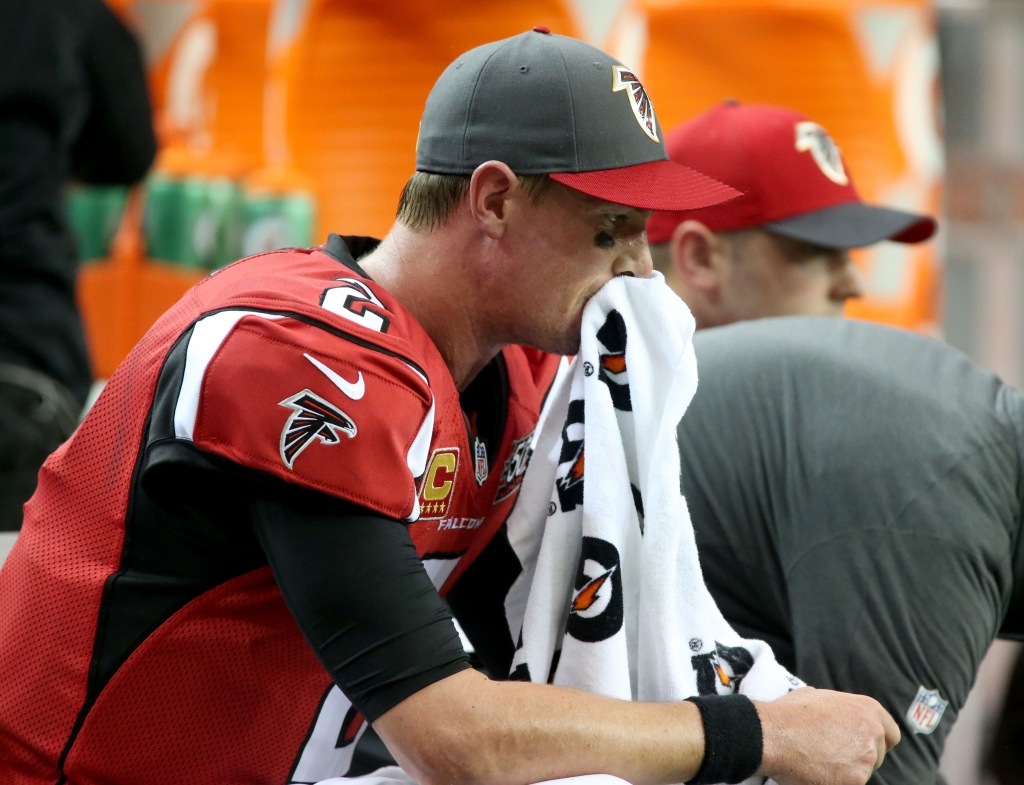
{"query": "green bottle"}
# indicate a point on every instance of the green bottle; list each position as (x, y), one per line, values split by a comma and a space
(94, 213)
(162, 222)
(299, 210)
(275, 221)
(198, 228)
(223, 205)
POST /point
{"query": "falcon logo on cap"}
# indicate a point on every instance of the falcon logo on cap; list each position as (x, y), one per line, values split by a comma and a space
(811, 137)
(639, 101)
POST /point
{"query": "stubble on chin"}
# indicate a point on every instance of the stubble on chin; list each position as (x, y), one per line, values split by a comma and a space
(568, 342)
(569, 345)
(564, 341)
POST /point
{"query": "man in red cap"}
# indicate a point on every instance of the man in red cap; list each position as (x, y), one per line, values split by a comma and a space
(783, 247)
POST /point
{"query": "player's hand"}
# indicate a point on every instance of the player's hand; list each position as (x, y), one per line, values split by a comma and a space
(821, 737)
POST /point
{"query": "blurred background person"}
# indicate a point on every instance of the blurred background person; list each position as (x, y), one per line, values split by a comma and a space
(73, 104)
(781, 249)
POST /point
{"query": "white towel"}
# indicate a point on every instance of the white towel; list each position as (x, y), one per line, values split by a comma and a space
(611, 598)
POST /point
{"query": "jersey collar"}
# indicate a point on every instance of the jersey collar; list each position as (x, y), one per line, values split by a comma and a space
(349, 248)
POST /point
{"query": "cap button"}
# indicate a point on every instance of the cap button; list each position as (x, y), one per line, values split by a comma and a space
(731, 102)
(541, 29)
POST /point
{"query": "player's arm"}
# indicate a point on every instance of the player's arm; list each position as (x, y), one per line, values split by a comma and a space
(925, 611)
(468, 729)
(355, 585)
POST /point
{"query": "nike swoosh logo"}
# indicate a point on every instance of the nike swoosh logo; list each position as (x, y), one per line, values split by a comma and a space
(353, 390)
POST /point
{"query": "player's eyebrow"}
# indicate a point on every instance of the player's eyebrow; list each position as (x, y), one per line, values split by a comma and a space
(610, 208)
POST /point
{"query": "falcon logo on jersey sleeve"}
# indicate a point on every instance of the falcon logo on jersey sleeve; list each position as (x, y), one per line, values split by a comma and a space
(639, 101)
(595, 613)
(812, 138)
(439, 483)
(312, 418)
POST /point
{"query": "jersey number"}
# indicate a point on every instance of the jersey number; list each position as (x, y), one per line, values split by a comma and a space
(354, 300)
(328, 751)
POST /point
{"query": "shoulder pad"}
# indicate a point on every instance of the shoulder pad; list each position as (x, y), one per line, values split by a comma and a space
(309, 404)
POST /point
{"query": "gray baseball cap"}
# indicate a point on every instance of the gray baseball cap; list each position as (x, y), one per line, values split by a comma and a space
(548, 104)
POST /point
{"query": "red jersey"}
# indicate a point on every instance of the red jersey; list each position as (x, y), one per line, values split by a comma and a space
(129, 654)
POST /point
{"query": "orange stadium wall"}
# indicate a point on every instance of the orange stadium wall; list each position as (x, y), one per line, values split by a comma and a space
(353, 86)
(326, 95)
(323, 95)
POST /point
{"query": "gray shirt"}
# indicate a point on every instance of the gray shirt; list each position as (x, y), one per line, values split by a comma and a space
(856, 495)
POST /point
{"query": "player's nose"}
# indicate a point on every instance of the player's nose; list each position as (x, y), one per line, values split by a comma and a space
(635, 259)
(847, 279)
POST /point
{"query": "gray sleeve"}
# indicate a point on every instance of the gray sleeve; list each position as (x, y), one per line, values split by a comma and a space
(884, 612)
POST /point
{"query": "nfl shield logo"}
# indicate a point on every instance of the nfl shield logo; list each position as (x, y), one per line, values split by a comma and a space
(480, 462)
(926, 711)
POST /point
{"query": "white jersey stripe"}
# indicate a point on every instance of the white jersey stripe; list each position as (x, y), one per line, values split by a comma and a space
(207, 336)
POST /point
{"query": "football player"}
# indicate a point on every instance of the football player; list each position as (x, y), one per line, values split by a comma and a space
(236, 561)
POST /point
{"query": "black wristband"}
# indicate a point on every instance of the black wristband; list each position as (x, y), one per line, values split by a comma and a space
(733, 742)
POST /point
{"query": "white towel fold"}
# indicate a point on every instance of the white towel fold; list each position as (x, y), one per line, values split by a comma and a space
(611, 598)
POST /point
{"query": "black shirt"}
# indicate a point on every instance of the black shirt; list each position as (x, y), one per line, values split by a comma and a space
(856, 496)
(73, 103)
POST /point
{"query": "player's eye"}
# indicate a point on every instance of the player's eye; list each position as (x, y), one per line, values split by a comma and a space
(604, 241)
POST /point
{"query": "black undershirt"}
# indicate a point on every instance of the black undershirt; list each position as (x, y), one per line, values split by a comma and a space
(359, 592)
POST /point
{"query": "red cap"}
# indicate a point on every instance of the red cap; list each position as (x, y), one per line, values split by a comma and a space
(792, 175)
(655, 185)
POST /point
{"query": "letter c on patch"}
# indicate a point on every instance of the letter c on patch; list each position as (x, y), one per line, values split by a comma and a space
(441, 468)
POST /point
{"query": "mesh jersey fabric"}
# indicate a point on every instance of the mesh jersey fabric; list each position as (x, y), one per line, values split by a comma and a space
(210, 680)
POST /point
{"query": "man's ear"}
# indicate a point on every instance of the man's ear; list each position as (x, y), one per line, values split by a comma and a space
(697, 258)
(491, 188)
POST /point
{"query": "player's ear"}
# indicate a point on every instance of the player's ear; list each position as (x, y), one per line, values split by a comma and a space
(490, 190)
(697, 258)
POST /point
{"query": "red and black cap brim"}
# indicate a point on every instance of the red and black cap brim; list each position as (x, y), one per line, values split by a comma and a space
(657, 185)
(855, 225)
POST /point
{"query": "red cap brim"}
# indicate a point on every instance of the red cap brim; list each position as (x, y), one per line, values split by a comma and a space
(658, 185)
